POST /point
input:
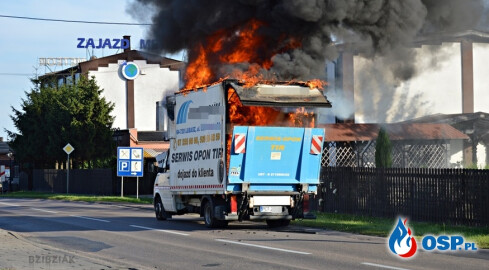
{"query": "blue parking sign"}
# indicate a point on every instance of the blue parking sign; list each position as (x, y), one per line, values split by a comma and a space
(124, 166)
(130, 161)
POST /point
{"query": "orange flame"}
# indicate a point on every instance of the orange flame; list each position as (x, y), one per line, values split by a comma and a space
(243, 45)
(250, 115)
(316, 83)
(262, 116)
(198, 71)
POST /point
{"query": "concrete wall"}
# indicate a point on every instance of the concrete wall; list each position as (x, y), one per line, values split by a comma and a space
(151, 86)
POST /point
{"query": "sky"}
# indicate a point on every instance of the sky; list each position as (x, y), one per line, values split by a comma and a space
(23, 42)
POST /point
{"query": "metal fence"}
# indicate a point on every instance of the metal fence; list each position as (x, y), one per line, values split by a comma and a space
(405, 154)
(454, 196)
(90, 181)
(94, 181)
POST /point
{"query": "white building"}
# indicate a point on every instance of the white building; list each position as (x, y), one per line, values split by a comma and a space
(138, 98)
(449, 78)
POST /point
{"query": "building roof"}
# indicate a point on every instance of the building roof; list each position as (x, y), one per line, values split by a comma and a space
(4, 148)
(129, 55)
(474, 35)
(476, 125)
(152, 153)
(151, 136)
(348, 132)
(451, 118)
(478, 35)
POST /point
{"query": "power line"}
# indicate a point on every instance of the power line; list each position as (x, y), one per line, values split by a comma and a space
(71, 21)
(15, 74)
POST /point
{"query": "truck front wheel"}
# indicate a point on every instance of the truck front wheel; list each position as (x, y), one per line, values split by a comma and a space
(160, 212)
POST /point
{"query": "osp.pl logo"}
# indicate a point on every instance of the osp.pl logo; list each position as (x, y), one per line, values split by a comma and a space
(402, 243)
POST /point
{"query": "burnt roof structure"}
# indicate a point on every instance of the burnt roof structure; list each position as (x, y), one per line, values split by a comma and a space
(474, 125)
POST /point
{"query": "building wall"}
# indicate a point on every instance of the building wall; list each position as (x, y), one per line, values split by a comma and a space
(436, 88)
(481, 80)
(114, 85)
(456, 153)
(151, 86)
(481, 155)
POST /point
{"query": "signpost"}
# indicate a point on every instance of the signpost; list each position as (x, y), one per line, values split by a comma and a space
(2, 176)
(130, 161)
(68, 149)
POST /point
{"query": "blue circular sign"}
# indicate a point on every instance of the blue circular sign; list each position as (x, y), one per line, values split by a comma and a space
(130, 70)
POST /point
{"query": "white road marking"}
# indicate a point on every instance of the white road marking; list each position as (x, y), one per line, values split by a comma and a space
(383, 266)
(9, 204)
(42, 210)
(96, 219)
(166, 231)
(264, 247)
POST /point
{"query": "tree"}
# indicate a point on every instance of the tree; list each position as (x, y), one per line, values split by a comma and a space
(51, 117)
(383, 150)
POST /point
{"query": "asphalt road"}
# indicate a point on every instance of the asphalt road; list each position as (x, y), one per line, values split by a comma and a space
(122, 237)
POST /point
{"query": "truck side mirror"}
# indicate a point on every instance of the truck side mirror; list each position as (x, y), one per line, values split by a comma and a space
(170, 107)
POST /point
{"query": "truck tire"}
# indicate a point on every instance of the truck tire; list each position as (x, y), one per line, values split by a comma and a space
(278, 223)
(160, 212)
(209, 219)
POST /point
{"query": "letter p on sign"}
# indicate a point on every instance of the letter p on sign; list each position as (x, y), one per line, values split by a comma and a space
(124, 166)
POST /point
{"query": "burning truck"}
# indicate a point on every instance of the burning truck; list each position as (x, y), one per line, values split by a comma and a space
(242, 148)
(241, 152)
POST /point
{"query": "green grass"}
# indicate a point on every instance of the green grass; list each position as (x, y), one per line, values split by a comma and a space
(383, 227)
(76, 197)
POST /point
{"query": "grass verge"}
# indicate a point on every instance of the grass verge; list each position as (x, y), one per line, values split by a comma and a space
(76, 197)
(383, 227)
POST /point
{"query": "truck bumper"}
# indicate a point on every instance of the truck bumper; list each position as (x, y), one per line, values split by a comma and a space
(231, 217)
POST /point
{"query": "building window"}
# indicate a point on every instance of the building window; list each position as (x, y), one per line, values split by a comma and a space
(69, 80)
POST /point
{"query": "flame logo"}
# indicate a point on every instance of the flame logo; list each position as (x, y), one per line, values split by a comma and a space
(401, 242)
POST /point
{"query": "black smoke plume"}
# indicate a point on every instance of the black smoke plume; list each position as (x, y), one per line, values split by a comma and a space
(372, 28)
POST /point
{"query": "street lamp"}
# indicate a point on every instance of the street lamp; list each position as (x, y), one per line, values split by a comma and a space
(10, 175)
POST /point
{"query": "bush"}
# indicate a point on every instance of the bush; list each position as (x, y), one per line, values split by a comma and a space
(383, 150)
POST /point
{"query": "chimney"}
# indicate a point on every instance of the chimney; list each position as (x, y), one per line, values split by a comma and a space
(129, 45)
(346, 81)
(1, 139)
(467, 76)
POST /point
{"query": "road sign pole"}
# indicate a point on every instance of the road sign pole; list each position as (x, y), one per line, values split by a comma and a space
(68, 149)
(122, 186)
(67, 174)
(130, 163)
